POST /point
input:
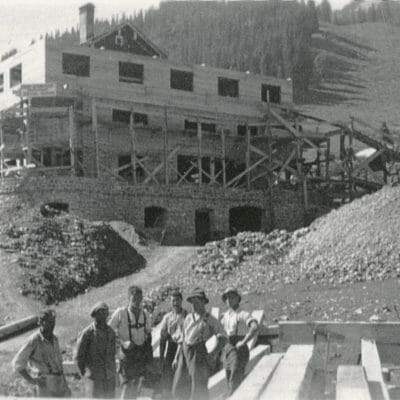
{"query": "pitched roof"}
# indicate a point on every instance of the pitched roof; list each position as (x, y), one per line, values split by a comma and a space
(145, 39)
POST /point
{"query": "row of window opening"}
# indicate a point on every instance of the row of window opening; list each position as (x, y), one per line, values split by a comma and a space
(79, 65)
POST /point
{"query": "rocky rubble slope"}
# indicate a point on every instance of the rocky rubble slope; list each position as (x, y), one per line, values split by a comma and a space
(61, 256)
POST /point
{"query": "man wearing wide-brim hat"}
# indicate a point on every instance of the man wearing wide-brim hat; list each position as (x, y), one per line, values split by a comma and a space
(95, 355)
(235, 322)
(199, 326)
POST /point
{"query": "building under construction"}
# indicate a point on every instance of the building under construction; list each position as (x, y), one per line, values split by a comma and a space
(110, 128)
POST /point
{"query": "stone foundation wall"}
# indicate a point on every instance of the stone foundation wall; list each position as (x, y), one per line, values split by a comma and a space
(103, 199)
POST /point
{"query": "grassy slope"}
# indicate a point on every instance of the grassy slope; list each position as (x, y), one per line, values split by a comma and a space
(362, 78)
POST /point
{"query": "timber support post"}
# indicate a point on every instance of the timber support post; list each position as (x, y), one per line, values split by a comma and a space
(199, 151)
(133, 146)
(72, 141)
(96, 135)
(165, 146)
(223, 161)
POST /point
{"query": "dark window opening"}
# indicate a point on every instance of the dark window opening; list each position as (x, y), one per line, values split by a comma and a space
(274, 93)
(52, 209)
(75, 64)
(155, 217)
(130, 72)
(16, 75)
(181, 80)
(205, 126)
(124, 117)
(55, 157)
(242, 219)
(228, 87)
(125, 169)
(241, 130)
(1, 83)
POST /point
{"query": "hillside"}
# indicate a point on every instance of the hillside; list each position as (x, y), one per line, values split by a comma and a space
(358, 68)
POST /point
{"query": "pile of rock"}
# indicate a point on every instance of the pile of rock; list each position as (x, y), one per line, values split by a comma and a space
(217, 260)
(62, 256)
(358, 242)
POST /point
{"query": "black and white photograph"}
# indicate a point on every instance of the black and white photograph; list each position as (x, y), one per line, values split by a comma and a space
(200, 200)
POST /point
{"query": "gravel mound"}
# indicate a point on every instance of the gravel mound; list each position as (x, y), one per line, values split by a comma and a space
(357, 242)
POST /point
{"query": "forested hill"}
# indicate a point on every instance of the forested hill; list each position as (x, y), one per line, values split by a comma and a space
(272, 38)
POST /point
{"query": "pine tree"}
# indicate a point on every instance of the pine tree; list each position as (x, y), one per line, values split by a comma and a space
(325, 11)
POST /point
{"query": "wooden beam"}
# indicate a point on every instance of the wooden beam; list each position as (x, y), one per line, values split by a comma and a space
(327, 158)
(183, 177)
(373, 369)
(350, 159)
(255, 165)
(223, 161)
(199, 156)
(364, 164)
(292, 130)
(150, 175)
(160, 166)
(291, 379)
(1, 149)
(248, 139)
(132, 134)
(288, 160)
(351, 383)
(165, 146)
(96, 136)
(258, 378)
(72, 141)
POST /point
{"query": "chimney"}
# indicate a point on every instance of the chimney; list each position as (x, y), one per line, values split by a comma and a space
(86, 22)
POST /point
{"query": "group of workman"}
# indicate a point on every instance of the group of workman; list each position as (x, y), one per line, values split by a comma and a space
(123, 347)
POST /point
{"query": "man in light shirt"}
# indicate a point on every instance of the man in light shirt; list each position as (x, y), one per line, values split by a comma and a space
(171, 334)
(199, 326)
(132, 326)
(39, 361)
(235, 322)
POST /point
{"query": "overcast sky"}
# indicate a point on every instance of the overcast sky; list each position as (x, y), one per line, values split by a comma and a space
(23, 20)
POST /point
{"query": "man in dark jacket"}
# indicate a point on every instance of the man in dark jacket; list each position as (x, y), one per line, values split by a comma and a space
(95, 355)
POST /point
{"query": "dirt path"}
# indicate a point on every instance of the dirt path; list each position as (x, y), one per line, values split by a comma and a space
(73, 315)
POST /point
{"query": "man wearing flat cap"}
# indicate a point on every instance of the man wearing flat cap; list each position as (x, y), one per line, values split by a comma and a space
(199, 326)
(132, 324)
(39, 361)
(95, 355)
(236, 322)
(171, 334)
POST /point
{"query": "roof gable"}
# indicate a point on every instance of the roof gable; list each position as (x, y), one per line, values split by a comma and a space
(129, 39)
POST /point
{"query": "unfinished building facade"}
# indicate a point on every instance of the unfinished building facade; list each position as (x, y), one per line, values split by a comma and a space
(113, 129)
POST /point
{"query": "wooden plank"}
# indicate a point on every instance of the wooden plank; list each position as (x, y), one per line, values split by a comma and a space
(258, 378)
(199, 155)
(291, 379)
(301, 332)
(373, 370)
(165, 147)
(1, 150)
(352, 383)
(217, 386)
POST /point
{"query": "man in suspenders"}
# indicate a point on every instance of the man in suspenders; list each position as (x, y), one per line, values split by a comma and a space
(133, 328)
(235, 355)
